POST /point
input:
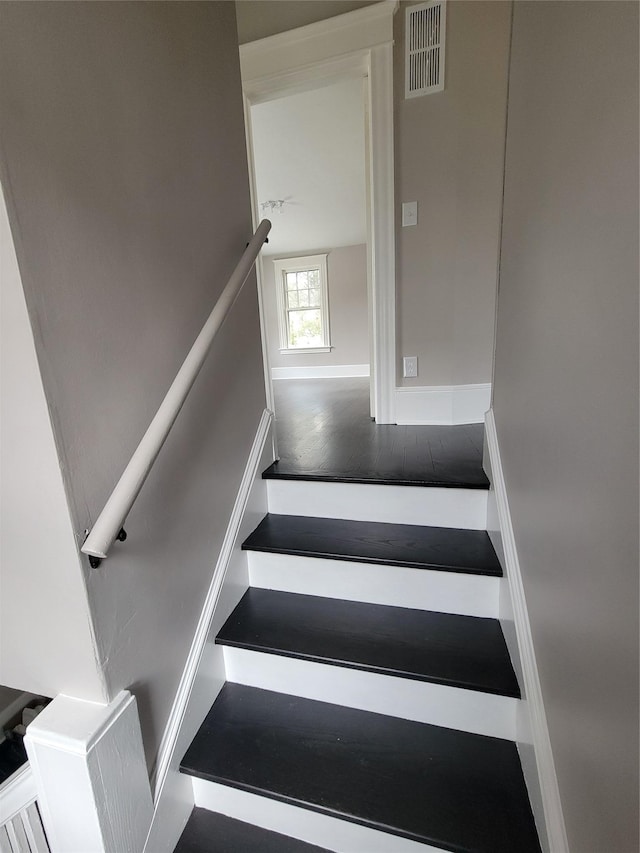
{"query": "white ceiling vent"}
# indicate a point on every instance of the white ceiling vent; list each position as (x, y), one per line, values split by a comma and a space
(424, 48)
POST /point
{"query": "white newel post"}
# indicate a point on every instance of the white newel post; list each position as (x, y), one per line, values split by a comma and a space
(91, 775)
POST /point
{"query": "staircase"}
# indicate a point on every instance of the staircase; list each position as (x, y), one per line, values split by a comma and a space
(370, 703)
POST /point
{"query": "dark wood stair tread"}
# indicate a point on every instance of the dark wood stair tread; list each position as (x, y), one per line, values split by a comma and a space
(210, 832)
(459, 651)
(453, 476)
(454, 790)
(325, 432)
(441, 548)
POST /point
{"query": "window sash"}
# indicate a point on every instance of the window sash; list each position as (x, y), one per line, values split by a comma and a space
(301, 285)
(296, 317)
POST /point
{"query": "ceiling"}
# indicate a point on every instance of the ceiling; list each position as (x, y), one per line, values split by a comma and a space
(309, 150)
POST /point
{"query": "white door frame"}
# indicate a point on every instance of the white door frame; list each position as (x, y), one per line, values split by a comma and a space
(359, 44)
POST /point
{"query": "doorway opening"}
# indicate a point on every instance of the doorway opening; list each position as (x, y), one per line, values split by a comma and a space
(310, 166)
(352, 52)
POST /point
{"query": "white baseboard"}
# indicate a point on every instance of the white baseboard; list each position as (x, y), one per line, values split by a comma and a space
(442, 404)
(172, 791)
(536, 756)
(505, 605)
(328, 371)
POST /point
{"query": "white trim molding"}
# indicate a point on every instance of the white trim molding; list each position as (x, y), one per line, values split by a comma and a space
(356, 44)
(305, 46)
(443, 404)
(323, 371)
(382, 236)
(91, 776)
(306, 351)
(540, 773)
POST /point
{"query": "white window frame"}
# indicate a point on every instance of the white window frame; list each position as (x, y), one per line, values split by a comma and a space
(309, 262)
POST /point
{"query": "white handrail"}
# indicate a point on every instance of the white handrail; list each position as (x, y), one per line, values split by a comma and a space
(110, 521)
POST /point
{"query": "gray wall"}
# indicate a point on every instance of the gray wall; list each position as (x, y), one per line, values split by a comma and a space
(449, 151)
(347, 285)
(566, 392)
(46, 638)
(123, 156)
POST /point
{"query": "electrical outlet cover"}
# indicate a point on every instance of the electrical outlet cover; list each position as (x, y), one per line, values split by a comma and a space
(410, 366)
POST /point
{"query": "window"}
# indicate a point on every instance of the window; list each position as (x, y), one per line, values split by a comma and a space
(303, 310)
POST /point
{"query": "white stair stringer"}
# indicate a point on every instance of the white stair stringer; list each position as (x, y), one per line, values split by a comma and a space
(373, 583)
(426, 505)
(326, 831)
(407, 698)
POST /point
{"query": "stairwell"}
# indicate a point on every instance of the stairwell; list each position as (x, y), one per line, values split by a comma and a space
(370, 702)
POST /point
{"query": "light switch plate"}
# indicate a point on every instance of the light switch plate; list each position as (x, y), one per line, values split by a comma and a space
(409, 213)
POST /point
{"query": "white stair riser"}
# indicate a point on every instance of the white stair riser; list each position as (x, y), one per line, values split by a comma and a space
(304, 824)
(435, 507)
(420, 589)
(422, 701)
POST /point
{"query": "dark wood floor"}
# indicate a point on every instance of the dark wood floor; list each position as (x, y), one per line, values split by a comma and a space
(325, 433)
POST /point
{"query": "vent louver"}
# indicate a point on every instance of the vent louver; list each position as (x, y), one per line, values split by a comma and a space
(424, 51)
